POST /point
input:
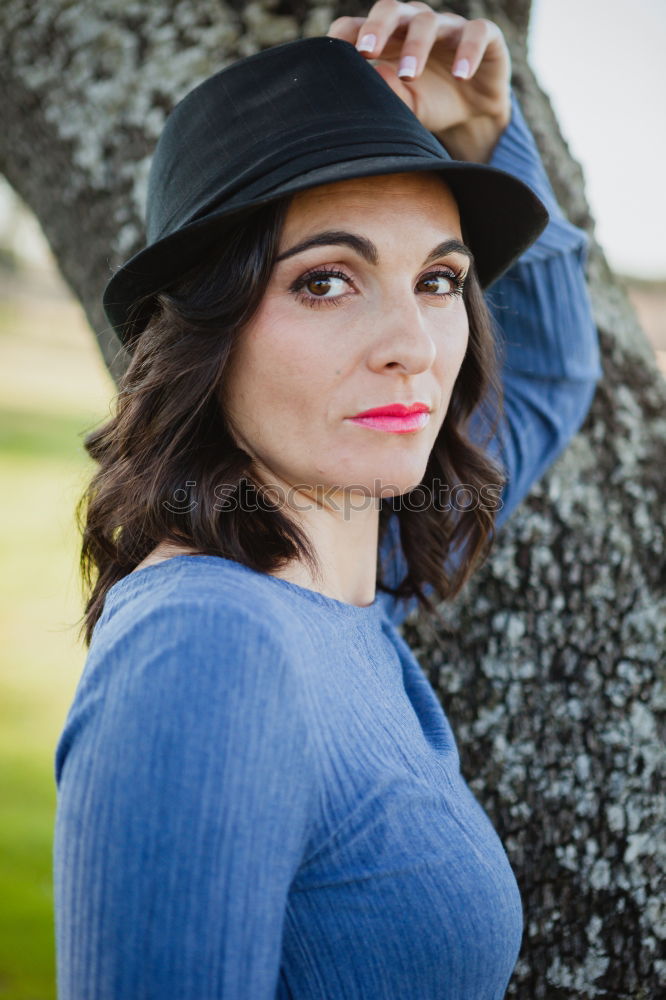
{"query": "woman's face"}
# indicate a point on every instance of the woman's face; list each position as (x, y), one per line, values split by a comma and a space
(386, 327)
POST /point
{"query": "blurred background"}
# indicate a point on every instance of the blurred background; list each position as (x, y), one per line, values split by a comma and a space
(601, 64)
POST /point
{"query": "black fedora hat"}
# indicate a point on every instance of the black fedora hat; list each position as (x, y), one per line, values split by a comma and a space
(299, 114)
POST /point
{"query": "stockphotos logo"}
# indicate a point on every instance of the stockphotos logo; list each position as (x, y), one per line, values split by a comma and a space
(247, 496)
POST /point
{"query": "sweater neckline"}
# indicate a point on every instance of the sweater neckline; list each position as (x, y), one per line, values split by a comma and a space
(340, 608)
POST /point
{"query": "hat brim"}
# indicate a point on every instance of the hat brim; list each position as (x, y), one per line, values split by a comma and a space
(501, 216)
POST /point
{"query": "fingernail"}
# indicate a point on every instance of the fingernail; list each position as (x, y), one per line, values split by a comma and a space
(407, 66)
(461, 69)
(367, 43)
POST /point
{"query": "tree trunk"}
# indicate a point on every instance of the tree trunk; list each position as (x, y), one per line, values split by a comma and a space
(550, 665)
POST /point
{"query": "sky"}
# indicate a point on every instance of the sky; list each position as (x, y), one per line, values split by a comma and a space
(603, 65)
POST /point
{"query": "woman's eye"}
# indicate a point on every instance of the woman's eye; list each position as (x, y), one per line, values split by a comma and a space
(453, 283)
(324, 287)
(318, 285)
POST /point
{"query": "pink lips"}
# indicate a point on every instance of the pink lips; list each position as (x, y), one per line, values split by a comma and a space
(396, 417)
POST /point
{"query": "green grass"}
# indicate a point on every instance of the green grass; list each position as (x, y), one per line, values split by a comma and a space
(26, 916)
(53, 388)
(25, 434)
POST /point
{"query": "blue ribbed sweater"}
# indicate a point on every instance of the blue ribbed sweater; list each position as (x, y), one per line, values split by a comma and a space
(259, 794)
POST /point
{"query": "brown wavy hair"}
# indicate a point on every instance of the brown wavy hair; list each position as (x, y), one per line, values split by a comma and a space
(168, 432)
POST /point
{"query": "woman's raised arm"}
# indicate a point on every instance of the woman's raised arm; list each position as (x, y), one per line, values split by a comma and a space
(544, 318)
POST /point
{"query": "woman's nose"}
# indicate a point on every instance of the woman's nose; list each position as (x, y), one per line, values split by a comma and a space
(402, 338)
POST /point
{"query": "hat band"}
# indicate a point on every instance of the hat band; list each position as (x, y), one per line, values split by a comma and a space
(326, 148)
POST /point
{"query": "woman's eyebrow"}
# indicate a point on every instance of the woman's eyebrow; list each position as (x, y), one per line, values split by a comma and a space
(366, 248)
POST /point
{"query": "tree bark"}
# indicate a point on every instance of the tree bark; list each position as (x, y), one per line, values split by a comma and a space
(551, 664)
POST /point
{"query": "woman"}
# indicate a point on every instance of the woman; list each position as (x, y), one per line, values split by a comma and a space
(258, 792)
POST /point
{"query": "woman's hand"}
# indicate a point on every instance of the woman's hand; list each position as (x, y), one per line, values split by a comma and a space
(466, 110)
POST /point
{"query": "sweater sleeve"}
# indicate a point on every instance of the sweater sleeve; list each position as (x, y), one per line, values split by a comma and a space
(184, 801)
(549, 348)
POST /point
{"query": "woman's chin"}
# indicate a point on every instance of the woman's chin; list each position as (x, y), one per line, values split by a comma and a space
(392, 479)
(406, 470)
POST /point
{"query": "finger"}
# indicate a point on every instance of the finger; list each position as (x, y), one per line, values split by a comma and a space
(384, 18)
(420, 37)
(480, 39)
(445, 28)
